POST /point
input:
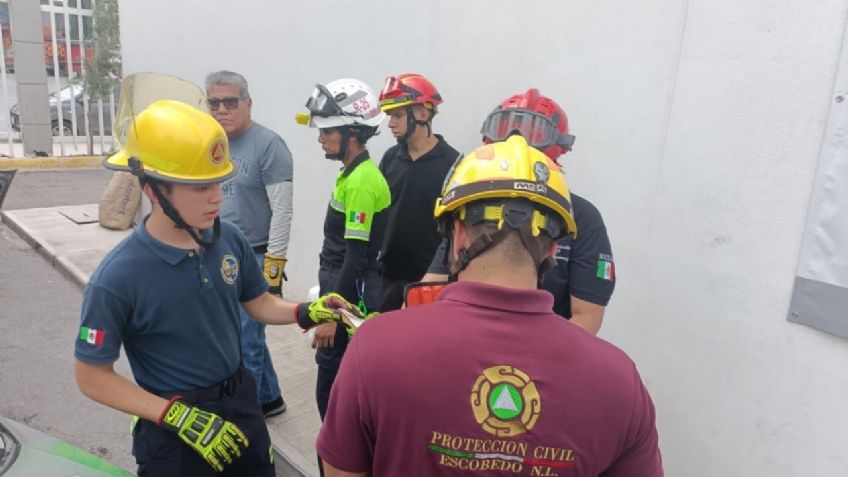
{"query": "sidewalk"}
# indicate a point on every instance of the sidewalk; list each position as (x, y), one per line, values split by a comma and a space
(72, 240)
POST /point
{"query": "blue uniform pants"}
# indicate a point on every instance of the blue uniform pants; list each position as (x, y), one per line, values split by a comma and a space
(255, 355)
(329, 359)
(161, 453)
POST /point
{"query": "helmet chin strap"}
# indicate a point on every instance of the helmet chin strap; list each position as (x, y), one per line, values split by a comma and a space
(137, 169)
(411, 123)
(517, 218)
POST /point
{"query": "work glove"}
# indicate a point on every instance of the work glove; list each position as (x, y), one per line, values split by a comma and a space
(274, 269)
(354, 318)
(322, 310)
(219, 442)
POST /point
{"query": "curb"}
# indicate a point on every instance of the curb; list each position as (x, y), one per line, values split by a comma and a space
(51, 162)
(60, 264)
(293, 463)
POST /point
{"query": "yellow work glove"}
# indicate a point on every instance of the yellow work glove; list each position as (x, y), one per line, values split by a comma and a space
(322, 310)
(219, 442)
(353, 319)
(274, 269)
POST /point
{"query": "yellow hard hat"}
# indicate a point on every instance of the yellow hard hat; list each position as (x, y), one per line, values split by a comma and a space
(505, 170)
(175, 142)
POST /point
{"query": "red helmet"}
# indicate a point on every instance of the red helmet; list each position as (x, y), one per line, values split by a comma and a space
(409, 89)
(539, 119)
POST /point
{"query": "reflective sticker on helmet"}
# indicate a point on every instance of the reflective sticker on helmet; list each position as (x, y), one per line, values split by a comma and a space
(541, 171)
(218, 152)
(486, 152)
(363, 108)
(530, 187)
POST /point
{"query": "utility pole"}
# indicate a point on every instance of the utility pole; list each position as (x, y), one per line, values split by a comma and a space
(28, 44)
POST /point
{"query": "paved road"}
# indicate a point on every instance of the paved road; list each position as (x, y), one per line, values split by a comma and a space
(39, 313)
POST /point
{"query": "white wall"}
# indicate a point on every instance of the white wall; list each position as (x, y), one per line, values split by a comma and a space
(698, 127)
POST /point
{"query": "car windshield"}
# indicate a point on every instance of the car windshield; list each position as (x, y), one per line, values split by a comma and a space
(68, 92)
(8, 449)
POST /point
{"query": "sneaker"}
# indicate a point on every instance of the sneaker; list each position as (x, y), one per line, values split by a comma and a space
(274, 408)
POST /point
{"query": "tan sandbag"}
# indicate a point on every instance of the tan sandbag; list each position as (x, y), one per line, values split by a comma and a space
(120, 201)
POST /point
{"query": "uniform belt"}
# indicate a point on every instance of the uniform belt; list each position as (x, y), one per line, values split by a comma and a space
(223, 389)
(261, 248)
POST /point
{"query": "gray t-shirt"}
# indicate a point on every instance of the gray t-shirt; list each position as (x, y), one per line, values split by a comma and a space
(262, 158)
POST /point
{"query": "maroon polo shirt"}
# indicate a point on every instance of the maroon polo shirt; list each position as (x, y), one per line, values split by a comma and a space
(487, 381)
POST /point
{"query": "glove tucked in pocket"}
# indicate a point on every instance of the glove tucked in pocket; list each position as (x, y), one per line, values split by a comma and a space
(274, 269)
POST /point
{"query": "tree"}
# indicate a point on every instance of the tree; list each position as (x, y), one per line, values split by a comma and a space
(104, 67)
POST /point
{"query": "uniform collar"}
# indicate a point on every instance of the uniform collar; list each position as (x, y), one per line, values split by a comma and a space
(171, 255)
(362, 157)
(436, 151)
(499, 298)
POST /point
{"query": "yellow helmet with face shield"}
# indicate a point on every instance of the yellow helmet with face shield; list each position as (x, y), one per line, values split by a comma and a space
(174, 142)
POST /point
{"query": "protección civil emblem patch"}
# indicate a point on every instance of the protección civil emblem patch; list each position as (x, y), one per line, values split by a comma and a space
(505, 401)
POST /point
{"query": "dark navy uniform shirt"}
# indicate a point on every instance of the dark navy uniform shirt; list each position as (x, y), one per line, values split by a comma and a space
(585, 267)
(175, 311)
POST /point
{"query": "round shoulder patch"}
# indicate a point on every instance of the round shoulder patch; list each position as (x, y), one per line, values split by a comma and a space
(229, 269)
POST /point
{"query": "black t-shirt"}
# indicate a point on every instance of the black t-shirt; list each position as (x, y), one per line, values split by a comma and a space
(411, 235)
(585, 267)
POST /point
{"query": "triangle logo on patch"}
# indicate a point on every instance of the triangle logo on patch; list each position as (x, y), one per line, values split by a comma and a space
(504, 401)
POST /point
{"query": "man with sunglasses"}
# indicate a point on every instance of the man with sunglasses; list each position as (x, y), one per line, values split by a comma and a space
(584, 278)
(347, 114)
(415, 169)
(258, 199)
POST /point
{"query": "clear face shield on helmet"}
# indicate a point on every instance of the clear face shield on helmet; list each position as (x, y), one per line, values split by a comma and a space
(539, 130)
(140, 90)
(322, 104)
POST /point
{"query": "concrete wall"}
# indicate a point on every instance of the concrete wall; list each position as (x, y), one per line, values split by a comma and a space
(698, 127)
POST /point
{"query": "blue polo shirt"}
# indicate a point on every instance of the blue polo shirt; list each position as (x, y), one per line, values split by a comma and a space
(175, 311)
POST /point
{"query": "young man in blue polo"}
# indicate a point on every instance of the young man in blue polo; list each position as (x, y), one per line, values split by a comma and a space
(170, 295)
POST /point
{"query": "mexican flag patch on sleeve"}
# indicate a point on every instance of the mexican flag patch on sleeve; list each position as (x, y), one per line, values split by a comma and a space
(357, 217)
(92, 336)
(606, 270)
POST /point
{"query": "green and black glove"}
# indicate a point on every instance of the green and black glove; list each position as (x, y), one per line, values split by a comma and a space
(353, 323)
(274, 269)
(322, 310)
(219, 442)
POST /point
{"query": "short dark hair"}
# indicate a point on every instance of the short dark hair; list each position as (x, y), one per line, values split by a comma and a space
(511, 250)
(363, 133)
(156, 183)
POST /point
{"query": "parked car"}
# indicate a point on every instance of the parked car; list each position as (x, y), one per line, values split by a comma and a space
(72, 94)
(27, 452)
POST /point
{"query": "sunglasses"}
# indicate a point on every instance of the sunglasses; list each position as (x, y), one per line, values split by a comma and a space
(230, 102)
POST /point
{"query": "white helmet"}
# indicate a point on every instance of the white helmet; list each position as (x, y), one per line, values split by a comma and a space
(343, 102)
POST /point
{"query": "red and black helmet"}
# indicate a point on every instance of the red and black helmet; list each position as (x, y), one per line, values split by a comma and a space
(539, 119)
(408, 89)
